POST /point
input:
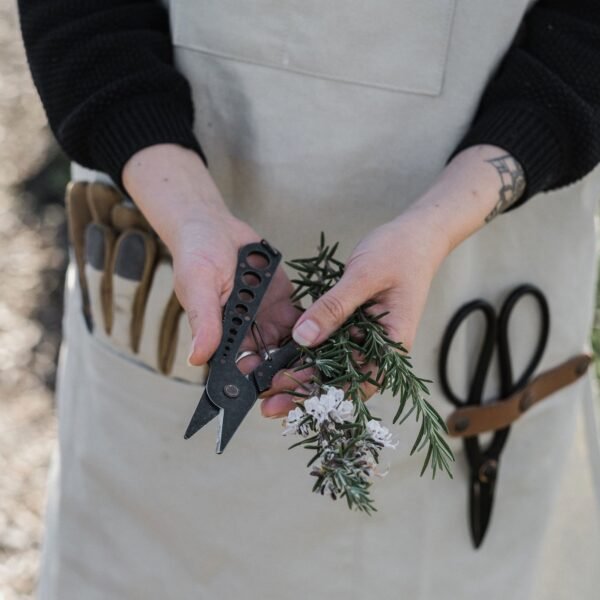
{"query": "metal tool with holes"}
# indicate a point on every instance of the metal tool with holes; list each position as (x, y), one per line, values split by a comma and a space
(229, 394)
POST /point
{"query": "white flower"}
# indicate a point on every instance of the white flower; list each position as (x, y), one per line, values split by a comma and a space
(316, 409)
(336, 394)
(330, 406)
(293, 422)
(380, 434)
(294, 416)
(345, 411)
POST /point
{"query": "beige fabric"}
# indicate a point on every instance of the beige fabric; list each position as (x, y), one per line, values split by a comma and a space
(158, 298)
(334, 116)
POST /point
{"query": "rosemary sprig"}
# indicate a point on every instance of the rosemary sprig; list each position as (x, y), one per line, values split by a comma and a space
(345, 363)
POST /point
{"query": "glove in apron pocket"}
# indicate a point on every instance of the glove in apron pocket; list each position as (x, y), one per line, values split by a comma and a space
(398, 45)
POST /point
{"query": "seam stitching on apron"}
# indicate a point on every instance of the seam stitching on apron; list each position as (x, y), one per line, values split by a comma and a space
(441, 72)
(407, 90)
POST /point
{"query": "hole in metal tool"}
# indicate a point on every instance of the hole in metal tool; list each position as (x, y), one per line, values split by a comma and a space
(251, 279)
(240, 309)
(258, 260)
(246, 295)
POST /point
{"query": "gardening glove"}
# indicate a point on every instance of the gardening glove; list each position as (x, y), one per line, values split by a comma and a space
(126, 282)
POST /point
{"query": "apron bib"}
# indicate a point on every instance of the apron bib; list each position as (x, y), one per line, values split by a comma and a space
(336, 116)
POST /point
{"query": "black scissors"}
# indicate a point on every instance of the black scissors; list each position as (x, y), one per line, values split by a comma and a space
(483, 462)
(229, 394)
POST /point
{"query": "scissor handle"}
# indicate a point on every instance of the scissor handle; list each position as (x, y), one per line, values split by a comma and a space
(281, 358)
(507, 384)
(485, 354)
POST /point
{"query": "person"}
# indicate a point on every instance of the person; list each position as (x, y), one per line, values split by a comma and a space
(400, 129)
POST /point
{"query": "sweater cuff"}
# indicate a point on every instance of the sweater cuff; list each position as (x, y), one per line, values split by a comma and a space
(129, 129)
(532, 138)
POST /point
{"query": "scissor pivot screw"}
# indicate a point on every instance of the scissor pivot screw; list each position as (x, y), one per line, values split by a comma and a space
(488, 471)
(231, 391)
(527, 399)
(461, 425)
(581, 368)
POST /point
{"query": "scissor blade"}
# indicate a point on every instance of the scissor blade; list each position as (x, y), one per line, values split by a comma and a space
(230, 419)
(205, 412)
(481, 502)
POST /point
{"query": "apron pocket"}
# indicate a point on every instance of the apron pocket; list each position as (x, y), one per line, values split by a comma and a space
(398, 45)
(145, 514)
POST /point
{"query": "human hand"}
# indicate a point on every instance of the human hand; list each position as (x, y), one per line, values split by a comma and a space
(174, 190)
(395, 264)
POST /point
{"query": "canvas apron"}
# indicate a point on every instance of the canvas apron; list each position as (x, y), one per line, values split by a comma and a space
(334, 116)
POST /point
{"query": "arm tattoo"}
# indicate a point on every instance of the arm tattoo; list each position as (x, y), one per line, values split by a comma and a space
(512, 181)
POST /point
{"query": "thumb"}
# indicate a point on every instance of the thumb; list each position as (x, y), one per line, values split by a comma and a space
(201, 301)
(331, 310)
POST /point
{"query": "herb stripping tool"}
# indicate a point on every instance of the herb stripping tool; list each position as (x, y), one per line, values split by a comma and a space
(229, 394)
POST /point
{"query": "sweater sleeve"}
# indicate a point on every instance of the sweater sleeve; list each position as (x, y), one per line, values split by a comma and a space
(543, 104)
(104, 72)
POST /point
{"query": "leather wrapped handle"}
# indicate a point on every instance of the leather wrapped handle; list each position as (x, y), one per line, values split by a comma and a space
(469, 421)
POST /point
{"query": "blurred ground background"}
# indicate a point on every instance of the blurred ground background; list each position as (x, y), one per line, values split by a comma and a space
(32, 259)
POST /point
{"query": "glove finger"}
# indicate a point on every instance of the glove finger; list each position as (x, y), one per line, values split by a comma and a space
(181, 369)
(98, 250)
(101, 199)
(125, 217)
(133, 262)
(168, 335)
(159, 296)
(78, 218)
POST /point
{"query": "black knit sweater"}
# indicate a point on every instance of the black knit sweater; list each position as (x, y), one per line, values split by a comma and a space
(104, 71)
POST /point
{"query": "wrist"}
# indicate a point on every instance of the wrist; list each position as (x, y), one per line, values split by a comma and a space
(478, 184)
(171, 186)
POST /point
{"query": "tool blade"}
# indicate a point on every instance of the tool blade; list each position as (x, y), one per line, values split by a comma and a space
(205, 412)
(481, 501)
(229, 421)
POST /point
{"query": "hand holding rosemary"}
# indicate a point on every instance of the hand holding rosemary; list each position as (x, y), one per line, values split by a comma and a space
(331, 416)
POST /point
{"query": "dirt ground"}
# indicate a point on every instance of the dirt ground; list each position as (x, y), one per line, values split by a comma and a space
(32, 177)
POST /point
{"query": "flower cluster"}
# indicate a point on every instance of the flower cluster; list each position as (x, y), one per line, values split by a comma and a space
(330, 407)
(347, 449)
(380, 434)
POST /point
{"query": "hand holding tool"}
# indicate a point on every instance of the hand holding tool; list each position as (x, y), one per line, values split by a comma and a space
(229, 394)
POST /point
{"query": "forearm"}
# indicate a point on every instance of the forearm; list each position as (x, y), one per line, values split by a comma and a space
(171, 186)
(478, 184)
(542, 106)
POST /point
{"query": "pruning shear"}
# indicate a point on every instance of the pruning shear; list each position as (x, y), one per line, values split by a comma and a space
(484, 461)
(229, 394)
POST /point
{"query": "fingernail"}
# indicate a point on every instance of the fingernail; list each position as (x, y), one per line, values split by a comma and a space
(265, 406)
(189, 362)
(306, 333)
